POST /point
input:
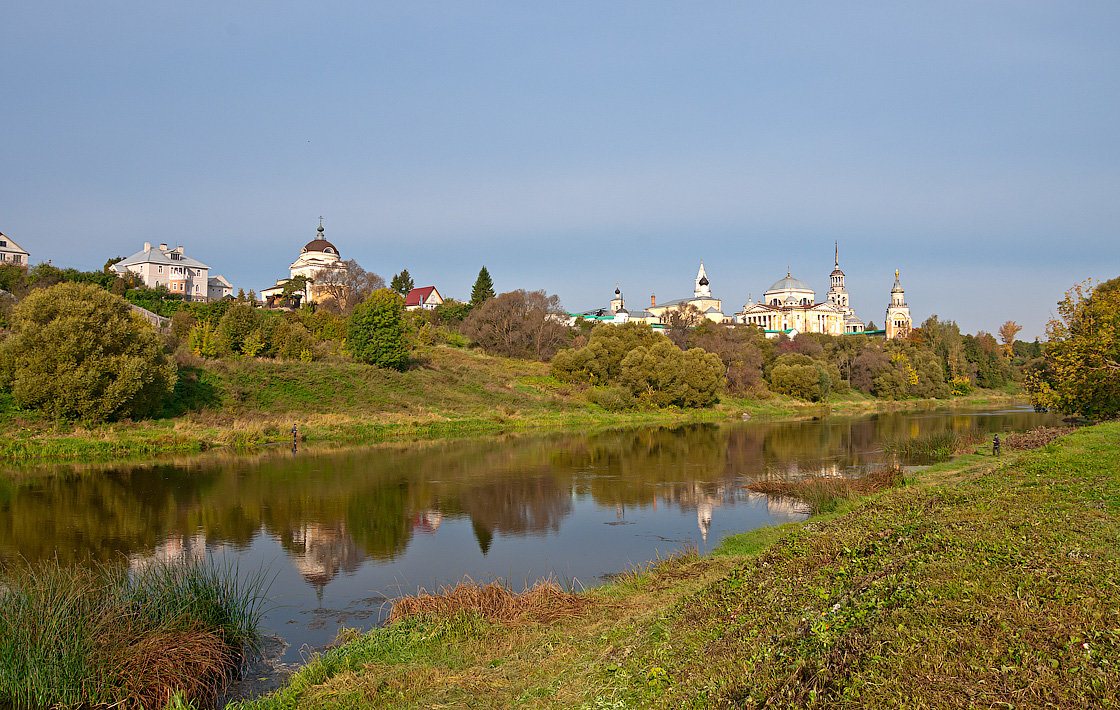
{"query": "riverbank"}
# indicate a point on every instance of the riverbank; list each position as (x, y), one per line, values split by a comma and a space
(981, 582)
(448, 393)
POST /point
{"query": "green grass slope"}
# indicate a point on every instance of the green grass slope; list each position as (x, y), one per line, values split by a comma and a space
(984, 582)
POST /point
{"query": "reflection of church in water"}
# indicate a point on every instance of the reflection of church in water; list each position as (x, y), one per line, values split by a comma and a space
(707, 500)
(319, 552)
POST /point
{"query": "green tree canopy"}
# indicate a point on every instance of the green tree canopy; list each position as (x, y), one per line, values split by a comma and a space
(78, 352)
(402, 282)
(375, 330)
(1082, 373)
(663, 375)
(483, 288)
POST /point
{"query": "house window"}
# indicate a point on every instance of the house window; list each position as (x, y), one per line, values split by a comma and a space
(4, 257)
(160, 267)
(3, 243)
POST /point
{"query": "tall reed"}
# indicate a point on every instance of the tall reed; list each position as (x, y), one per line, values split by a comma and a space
(106, 635)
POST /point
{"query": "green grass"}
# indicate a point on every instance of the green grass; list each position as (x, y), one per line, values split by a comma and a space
(79, 636)
(984, 582)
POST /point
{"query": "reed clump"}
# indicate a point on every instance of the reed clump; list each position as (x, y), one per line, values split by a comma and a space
(822, 493)
(544, 602)
(937, 446)
(105, 635)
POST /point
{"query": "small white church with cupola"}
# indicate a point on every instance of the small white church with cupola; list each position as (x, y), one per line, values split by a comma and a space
(316, 257)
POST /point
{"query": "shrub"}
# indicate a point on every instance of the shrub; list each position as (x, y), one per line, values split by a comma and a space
(80, 353)
(804, 381)
(663, 375)
(375, 330)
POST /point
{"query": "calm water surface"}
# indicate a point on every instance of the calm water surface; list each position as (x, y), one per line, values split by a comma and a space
(342, 531)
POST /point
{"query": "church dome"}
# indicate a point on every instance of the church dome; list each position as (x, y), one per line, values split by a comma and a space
(789, 283)
(704, 281)
(897, 288)
(320, 245)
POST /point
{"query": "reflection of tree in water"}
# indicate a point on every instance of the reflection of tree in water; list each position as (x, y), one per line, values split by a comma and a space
(533, 504)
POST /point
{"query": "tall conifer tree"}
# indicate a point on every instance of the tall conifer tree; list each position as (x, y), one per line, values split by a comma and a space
(483, 288)
(402, 282)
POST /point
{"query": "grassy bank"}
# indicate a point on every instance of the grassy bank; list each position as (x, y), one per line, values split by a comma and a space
(447, 393)
(73, 636)
(982, 582)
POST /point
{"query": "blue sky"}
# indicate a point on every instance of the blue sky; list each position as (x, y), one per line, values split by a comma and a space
(569, 145)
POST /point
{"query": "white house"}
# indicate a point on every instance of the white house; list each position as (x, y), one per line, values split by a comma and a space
(175, 271)
(12, 253)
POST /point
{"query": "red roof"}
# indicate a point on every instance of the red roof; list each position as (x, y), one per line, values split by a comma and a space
(418, 296)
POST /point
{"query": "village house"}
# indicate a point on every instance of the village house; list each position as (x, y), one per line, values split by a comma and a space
(426, 299)
(12, 253)
(175, 271)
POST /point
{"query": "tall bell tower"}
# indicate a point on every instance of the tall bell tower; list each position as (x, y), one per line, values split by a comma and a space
(898, 323)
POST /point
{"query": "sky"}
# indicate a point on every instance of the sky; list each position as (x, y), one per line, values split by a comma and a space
(567, 146)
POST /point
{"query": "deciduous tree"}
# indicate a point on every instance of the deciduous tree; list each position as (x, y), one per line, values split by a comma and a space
(520, 323)
(345, 284)
(79, 353)
(1082, 373)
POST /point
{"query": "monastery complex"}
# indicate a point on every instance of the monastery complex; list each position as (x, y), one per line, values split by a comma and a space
(789, 306)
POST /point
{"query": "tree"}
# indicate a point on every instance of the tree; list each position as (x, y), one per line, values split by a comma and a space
(79, 353)
(402, 282)
(1007, 333)
(1082, 366)
(680, 321)
(528, 324)
(345, 284)
(663, 375)
(375, 330)
(600, 361)
(483, 288)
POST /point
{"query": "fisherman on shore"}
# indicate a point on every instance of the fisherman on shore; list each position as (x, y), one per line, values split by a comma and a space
(995, 446)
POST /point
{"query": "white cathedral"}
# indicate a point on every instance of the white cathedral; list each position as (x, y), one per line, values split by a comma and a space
(790, 306)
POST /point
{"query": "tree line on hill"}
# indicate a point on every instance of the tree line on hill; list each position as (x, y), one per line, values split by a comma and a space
(122, 369)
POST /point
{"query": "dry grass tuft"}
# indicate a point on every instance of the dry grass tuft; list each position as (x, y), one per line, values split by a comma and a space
(822, 493)
(196, 664)
(1035, 438)
(544, 602)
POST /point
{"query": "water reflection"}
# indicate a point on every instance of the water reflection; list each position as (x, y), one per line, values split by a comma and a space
(359, 521)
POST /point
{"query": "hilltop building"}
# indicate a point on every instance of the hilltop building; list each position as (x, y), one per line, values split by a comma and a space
(316, 257)
(702, 301)
(789, 306)
(617, 313)
(175, 271)
(898, 323)
(12, 253)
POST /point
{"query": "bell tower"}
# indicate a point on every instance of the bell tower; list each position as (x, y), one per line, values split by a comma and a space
(898, 323)
(837, 294)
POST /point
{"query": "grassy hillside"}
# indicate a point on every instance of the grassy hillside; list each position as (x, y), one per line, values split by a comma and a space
(447, 392)
(983, 582)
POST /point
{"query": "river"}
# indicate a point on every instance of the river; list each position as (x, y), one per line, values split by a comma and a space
(343, 531)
